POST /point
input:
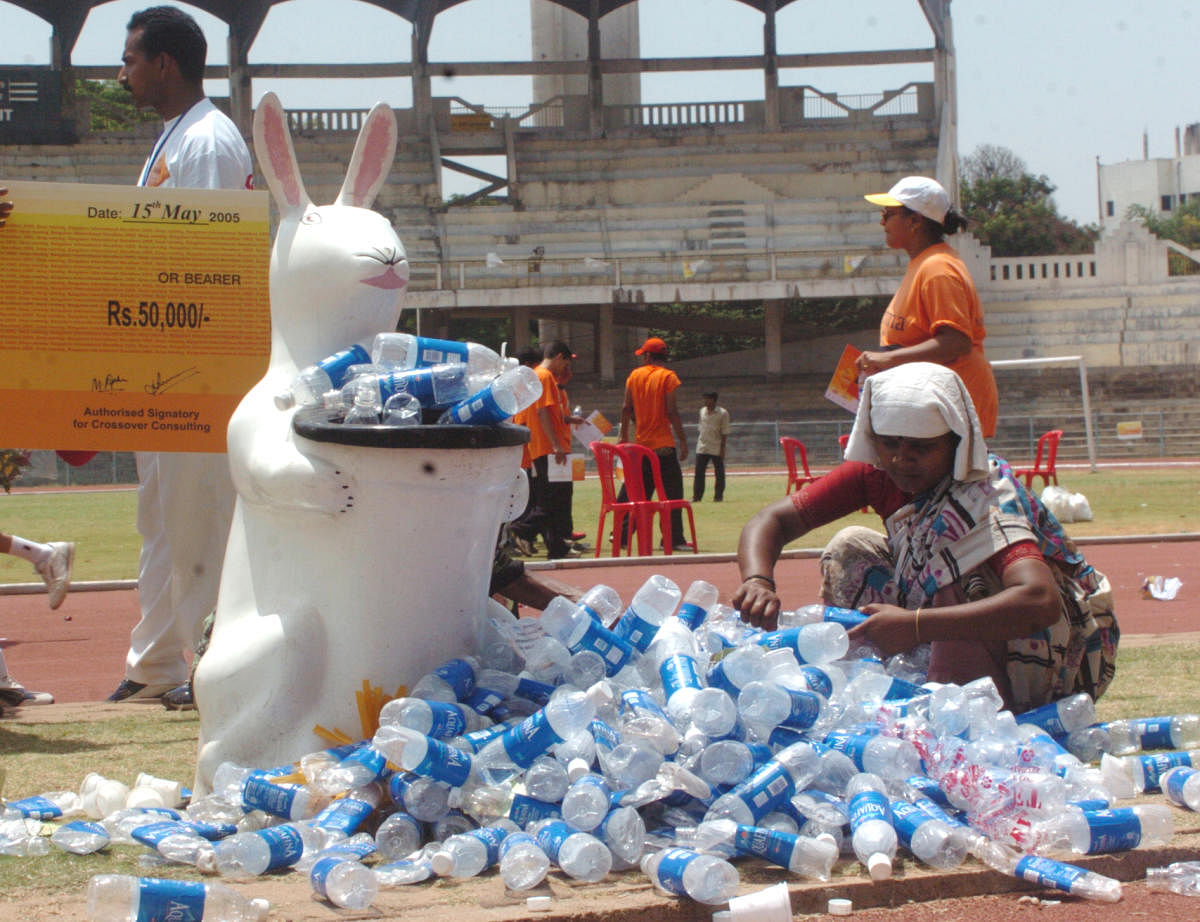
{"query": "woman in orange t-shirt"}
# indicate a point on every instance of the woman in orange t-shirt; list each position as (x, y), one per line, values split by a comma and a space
(935, 315)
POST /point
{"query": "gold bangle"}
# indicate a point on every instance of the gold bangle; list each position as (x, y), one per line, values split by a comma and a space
(917, 624)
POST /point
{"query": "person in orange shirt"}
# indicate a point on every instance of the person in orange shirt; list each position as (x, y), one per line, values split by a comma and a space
(524, 529)
(549, 434)
(935, 315)
(650, 406)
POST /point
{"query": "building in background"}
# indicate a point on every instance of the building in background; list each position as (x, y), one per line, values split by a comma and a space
(1161, 184)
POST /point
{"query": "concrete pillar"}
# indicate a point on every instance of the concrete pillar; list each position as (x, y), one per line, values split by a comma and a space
(605, 343)
(558, 34)
(241, 93)
(518, 334)
(770, 69)
(773, 335)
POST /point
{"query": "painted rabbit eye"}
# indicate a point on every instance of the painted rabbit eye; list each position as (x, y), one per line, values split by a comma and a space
(312, 217)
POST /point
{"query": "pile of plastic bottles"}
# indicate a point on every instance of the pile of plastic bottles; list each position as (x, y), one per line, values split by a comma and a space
(665, 734)
(403, 376)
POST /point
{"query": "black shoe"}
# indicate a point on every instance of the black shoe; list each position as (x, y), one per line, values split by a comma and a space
(180, 698)
(717, 499)
(130, 690)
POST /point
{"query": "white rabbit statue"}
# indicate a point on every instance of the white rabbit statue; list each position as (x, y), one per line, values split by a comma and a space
(344, 563)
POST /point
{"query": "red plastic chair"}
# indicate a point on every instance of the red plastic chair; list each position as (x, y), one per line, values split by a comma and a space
(606, 455)
(1047, 450)
(632, 455)
(797, 460)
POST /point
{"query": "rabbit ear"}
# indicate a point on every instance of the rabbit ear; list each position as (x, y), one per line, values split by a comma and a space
(277, 156)
(372, 158)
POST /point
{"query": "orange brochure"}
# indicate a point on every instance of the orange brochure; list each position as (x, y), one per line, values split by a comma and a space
(130, 318)
(843, 386)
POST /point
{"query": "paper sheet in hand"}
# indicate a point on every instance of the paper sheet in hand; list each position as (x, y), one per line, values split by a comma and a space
(843, 386)
(593, 429)
(572, 469)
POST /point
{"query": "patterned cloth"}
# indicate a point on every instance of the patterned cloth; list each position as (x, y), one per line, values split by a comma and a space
(944, 539)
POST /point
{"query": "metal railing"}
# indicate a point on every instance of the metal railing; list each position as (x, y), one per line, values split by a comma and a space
(820, 104)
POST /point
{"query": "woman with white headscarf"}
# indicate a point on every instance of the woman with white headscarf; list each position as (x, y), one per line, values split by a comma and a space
(971, 563)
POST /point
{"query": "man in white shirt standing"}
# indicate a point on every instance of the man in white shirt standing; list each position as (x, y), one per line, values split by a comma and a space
(185, 499)
(710, 446)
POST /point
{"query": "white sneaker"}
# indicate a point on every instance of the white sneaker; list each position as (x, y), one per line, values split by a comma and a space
(55, 570)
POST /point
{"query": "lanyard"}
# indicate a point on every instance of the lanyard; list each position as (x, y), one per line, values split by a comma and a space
(160, 144)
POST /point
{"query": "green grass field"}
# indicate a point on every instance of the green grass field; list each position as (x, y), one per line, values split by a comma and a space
(102, 523)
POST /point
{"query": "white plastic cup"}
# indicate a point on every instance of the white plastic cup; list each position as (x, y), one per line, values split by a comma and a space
(773, 904)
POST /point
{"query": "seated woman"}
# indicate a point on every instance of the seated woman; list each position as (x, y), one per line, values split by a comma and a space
(972, 563)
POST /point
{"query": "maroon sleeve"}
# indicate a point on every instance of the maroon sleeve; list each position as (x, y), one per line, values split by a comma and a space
(848, 487)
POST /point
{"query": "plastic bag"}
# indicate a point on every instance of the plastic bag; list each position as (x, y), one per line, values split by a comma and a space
(1065, 505)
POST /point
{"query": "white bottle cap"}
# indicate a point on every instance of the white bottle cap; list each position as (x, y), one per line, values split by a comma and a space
(577, 768)
(537, 903)
(260, 908)
(839, 907)
(442, 863)
(880, 866)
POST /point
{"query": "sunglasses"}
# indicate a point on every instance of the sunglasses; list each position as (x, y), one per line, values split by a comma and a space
(892, 212)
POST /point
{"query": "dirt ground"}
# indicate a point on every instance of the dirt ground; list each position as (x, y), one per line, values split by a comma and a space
(78, 652)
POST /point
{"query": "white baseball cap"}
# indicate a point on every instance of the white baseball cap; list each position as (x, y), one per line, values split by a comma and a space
(917, 193)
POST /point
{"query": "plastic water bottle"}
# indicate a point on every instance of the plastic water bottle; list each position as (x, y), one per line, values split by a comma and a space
(424, 755)
(624, 832)
(21, 837)
(437, 387)
(343, 881)
(1179, 731)
(452, 681)
(400, 410)
(439, 719)
(80, 837)
(510, 393)
(821, 642)
(403, 351)
(1058, 718)
(1046, 872)
(587, 802)
(51, 805)
(250, 854)
(1128, 776)
(398, 836)
(426, 799)
(885, 756)
(571, 624)
(364, 408)
(119, 898)
(1181, 877)
(930, 839)
(406, 871)
(546, 779)
(766, 705)
(1118, 829)
(579, 854)
(652, 604)
(731, 761)
(328, 374)
(871, 831)
(602, 603)
(811, 614)
(737, 668)
(343, 817)
(566, 713)
(682, 872)
(523, 863)
(290, 801)
(789, 770)
(470, 853)
(699, 598)
(809, 857)
(1181, 784)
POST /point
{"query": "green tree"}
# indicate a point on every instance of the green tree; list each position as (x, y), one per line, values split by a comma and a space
(1013, 211)
(111, 107)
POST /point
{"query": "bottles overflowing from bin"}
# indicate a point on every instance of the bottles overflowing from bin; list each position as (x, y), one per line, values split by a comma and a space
(665, 734)
(402, 376)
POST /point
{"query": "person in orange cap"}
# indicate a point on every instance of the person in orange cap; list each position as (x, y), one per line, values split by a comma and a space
(650, 406)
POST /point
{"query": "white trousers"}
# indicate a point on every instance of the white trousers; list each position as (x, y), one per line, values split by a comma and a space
(185, 505)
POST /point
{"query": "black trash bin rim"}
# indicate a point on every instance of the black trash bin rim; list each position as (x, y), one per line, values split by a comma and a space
(321, 425)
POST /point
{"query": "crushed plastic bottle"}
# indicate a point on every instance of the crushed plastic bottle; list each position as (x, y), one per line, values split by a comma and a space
(120, 898)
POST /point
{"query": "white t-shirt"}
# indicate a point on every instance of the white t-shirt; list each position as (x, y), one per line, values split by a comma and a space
(200, 149)
(713, 426)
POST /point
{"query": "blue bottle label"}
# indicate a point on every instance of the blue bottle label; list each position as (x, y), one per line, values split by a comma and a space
(479, 409)
(1157, 764)
(440, 351)
(526, 810)
(1046, 872)
(906, 818)
(551, 836)
(459, 675)
(671, 866)
(782, 737)
(1154, 732)
(615, 651)
(492, 837)
(532, 690)
(260, 794)
(635, 629)
(1090, 806)
(934, 809)
(866, 806)
(344, 815)
(318, 875)
(483, 701)
(903, 690)
(692, 615)
(847, 617)
(605, 736)
(36, 808)
(780, 640)
(829, 800)
(771, 845)
(852, 744)
(529, 739)
(1174, 788)
(174, 900)
(371, 759)
(285, 846)
(678, 671)
(639, 701)
(1115, 830)
(477, 739)
(926, 786)
(763, 791)
(447, 720)
(1045, 717)
(818, 680)
(336, 365)
(513, 839)
(444, 763)
(153, 833)
(356, 851)
(89, 828)
(805, 708)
